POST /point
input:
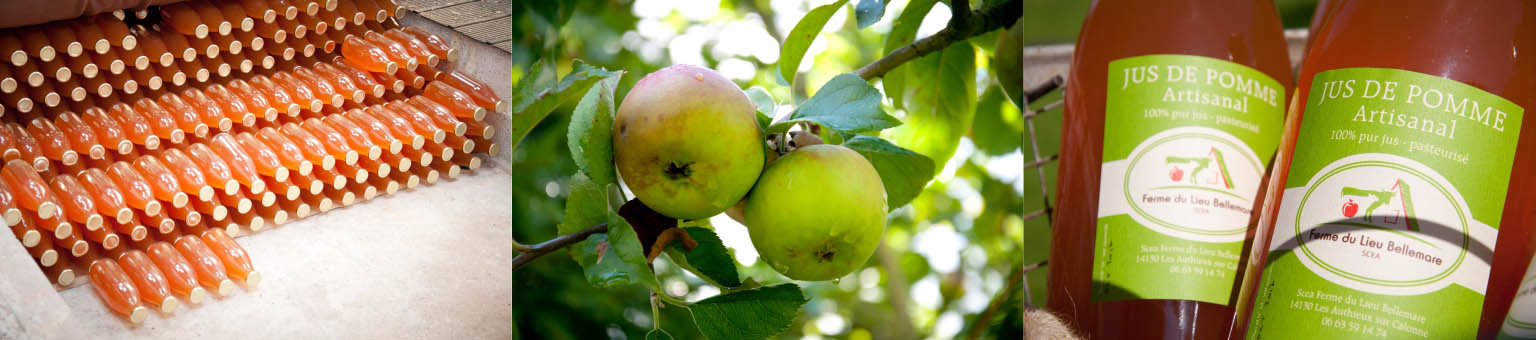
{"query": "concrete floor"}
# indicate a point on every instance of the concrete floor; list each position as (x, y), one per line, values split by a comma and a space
(433, 262)
(425, 263)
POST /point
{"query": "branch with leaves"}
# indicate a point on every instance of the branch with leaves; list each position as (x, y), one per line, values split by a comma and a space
(538, 250)
(962, 25)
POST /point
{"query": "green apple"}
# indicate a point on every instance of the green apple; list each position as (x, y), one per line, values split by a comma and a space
(686, 142)
(817, 213)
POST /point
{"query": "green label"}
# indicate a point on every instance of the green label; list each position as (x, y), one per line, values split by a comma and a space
(1186, 139)
(1387, 224)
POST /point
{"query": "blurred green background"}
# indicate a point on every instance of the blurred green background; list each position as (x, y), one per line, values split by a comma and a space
(945, 257)
(1049, 22)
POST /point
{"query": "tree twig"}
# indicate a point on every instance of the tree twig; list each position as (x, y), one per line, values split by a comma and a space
(962, 25)
(997, 301)
(562, 241)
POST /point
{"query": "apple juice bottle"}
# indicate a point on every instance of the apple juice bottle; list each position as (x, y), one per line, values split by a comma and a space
(1400, 202)
(1173, 112)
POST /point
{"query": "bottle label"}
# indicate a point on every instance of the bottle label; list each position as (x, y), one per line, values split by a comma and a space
(1186, 141)
(1390, 211)
(1521, 322)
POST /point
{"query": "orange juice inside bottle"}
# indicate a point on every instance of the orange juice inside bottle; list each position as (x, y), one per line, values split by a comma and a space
(106, 129)
(394, 49)
(1136, 62)
(76, 203)
(12, 45)
(437, 44)
(29, 147)
(214, 167)
(255, 101)
(279, 98)
(159, 120)
(377, 131)
(300, 92)
(236, 262)
(116, 290)
(399, 127)
(137, 192)
(62, 37)
(178, 271)
(186, 117)
(259, 9)
(154, 288)
(355, 137)
(288, 153)
(37, 44)
(210, 271)
(91, 36)
(479, 91)
(135, 126)
(110, 199)
(460, 103)
(32, 193)
(166, 184)
(323, 88)
(184, 19)
(191, 176)
(436, 114)
(231, 105)
(209, 112)
(1450, 277)
(81, 137)
(211, 15)
(334, 142)
(422, 124)
(314, 150)
(262, 157)
(414, 46)
(367, 56)
(241, 166)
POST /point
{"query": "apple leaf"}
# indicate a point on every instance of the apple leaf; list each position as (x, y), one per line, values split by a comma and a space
(590, 135)
(846, 103)
(586, 206)
(903, 172)
(941, 106)
(710, 259)
(903, 31)
(609, 260)
(765, 106)
(868, 12)
(529, 109)
(996, 129)
(752, 314)
(800, 38)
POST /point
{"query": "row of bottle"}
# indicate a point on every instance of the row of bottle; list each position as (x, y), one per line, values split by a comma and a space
(52, 88)
(234, 20)
(1386, 193)
(161, 273)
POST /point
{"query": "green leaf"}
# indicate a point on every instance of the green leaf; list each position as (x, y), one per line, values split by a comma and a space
(778, 128)
(586, 206)
(753, 314)
(765, 105)
(867, 12)
(995, 131)
(941, 105)
(529, 109)
(800, 38)
(621, 263)
(903, 31)
(846, 104)
(710, 259)
(590, 135)
(903, 172)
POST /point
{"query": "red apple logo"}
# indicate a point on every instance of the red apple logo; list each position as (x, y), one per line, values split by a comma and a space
(1176, 174)
(1350, 208)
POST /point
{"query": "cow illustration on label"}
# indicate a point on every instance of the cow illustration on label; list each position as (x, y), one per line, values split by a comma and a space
(1200, 163)
(1399, 217)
